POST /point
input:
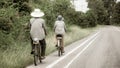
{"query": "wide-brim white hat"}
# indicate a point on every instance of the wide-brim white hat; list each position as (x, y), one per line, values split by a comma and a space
(37, 13)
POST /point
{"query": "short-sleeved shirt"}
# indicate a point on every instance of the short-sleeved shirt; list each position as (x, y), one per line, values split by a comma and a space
(59, 27)
(37, 30)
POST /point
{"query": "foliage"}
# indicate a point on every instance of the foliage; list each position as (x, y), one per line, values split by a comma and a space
(89, 20)
(22, 6)
(116, 14)
(25, 9)
(20, 1)
(11, 26)
(99, 11)
(104, 10)
(5, 40)
(5, 24)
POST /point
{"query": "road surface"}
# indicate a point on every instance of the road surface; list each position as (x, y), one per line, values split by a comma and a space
(99, 50)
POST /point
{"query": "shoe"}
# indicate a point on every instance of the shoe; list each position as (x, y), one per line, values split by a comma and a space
(63, 51)
(56, 45)
(42, 57)
(32, 52)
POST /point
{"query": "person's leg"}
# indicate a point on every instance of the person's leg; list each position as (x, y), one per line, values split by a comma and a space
(43, 47)
(56, 41)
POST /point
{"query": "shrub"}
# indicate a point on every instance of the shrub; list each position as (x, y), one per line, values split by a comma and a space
(25, 9)
(5, 40)
(2, 4)
(20, 1)
(5, 24)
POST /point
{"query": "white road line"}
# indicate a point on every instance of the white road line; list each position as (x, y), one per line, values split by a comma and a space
(117, 29)
(55, 62)
(80, 53)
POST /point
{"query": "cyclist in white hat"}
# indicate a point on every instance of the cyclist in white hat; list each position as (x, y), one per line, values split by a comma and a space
(37, 25)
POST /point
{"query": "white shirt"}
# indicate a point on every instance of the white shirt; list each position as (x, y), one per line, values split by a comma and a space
(37, 30)
(59, 27)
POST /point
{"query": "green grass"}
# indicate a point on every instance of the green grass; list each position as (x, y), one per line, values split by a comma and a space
(18, 56)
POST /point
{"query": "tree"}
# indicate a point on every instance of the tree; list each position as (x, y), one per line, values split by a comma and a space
(116, 14)
(91, 18)
(109, 7)
(98, 10)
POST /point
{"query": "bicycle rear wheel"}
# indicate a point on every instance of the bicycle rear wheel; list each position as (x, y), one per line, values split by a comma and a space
(39, 53)
(36, 56)
(59, 52)
(59, 48)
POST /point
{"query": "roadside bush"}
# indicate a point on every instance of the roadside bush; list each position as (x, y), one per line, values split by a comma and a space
(5, 41)
(2, 4)
(5, 24)
(5, 18)
(116, 15)
(25, 9)
(22, 6)
(5, 3)
(91, 18)
(88, 19)
(20, 1)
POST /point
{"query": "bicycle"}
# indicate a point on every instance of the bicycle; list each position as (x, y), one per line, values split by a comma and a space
(37, 52)
(59, 46)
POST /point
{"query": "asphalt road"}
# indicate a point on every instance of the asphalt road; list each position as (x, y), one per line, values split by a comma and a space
(99, 50)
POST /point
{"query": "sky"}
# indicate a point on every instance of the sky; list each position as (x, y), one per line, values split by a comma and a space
(81, 5)
(118, 0)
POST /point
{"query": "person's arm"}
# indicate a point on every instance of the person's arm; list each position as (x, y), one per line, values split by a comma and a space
(28, 25)
(65, 27)
(43, 25)
(54, 27)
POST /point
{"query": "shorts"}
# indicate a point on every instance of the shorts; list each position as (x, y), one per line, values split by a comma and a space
(59, 35)
(42, 42)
